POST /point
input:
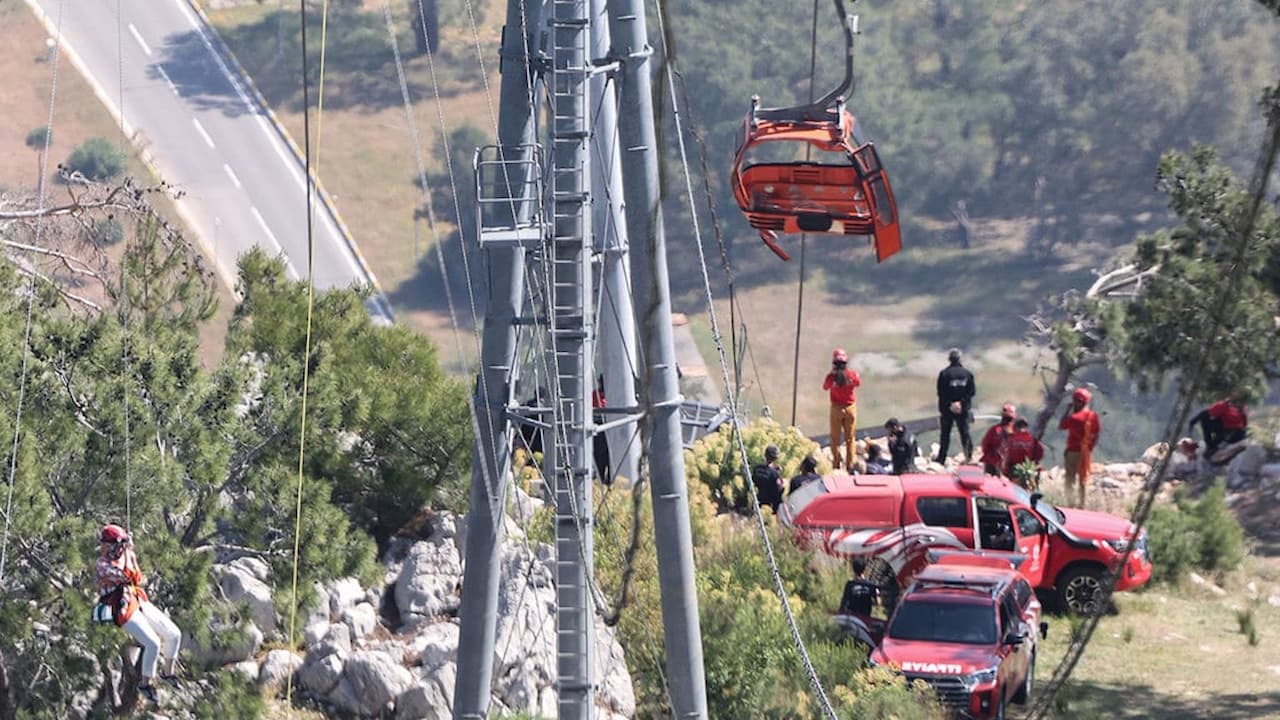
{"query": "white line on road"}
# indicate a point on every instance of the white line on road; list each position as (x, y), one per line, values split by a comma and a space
(232, 174)
(290, 161)
(203, 133)
(262, 223)
(138, 36)
(167, 81)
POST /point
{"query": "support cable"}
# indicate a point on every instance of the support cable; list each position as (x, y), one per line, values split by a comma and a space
(1182, 409)
(668, 61)
(41, 191)
(804, 237)
(311, 287)
(126, 372)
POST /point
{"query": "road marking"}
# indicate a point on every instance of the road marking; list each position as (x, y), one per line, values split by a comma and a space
(138, 36)
(167, 81)
(232, 174)
(273, 139)
(262, 223)
(203, 133)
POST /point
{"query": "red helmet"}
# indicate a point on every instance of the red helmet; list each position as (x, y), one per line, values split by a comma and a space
(113, 534)
(1082, 396)
(839, 355)
(1009, 410)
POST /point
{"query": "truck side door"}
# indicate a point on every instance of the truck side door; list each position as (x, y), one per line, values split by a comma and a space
(1033, 543)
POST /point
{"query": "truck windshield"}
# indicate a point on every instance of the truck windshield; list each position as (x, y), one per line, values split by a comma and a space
(950, 622)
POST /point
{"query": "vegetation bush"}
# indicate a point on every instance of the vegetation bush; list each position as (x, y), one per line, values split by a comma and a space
(1194, 535)
(106, 231)
(715, 462)
(96, 159)
(38, 138)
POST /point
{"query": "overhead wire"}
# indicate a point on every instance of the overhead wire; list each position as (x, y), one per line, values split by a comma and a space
(668, 61)
(41, 196)
(311, 286)
(1188, 390)
(804, 237)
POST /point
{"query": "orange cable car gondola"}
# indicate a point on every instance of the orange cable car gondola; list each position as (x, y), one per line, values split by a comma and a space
(845, 192)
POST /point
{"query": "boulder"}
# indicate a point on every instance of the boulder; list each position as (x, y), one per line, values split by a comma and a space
(436, 644)
(361, 619)
(1153, 454)
(248, 669)
(343, 593)
(255, 567)
(375, 679)
(337, 641)
(616, 692)
(277, 667)
(313, 632)
(1245, 468)
(320, 675)
(240, 585)
(428, 584)
(424, 701)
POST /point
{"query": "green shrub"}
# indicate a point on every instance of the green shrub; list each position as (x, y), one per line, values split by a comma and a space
(1194, 535)
(106, 231)
(715, 460)
(38, 138)
(879, 693)
(96, 159)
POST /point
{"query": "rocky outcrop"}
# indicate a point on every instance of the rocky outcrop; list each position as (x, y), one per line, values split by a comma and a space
(400, 658)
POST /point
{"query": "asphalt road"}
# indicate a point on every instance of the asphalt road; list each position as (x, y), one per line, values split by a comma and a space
(184, 105)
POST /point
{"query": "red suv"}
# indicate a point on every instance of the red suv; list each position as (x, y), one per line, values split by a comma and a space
(894, 520)
(969, 627)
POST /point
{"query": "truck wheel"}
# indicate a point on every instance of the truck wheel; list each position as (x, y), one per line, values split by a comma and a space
(1080, 591)
(1024, 692)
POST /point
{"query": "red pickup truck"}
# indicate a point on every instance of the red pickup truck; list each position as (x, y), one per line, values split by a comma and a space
(895, 520)
(970, 628)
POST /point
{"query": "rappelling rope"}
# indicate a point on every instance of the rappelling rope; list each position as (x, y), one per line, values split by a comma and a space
(126, 372)
(41, 188)
(668, 61)
(311, 288)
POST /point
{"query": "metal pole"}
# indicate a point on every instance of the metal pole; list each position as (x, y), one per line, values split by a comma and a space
(660, 393)
(617, 320)
(573, 347)
(491, 460)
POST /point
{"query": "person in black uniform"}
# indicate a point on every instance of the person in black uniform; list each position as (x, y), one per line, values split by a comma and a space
(859, 593)
(808, 474)
(902, 447)
(767, 478)
(955, 398)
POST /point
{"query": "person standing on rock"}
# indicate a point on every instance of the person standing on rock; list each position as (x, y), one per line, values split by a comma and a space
(1083, 428)
(840, 383)
(122, 601)
(955, 398)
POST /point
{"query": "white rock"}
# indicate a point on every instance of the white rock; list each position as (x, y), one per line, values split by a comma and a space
(247, 668)
(277, 667)
(376, 680)
(343, 593)
(239, 585)
(444, 526)
(362, 619)
(257, 567)
(616, 693)
(344, 696)
(423, 701)
(428, 582)
(1152, 455)
(314, 632)
(524, 506)
(321, 675)
(1273, 600)
(320, 610)
(337, 641)
(436, 644)
(395, 649)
